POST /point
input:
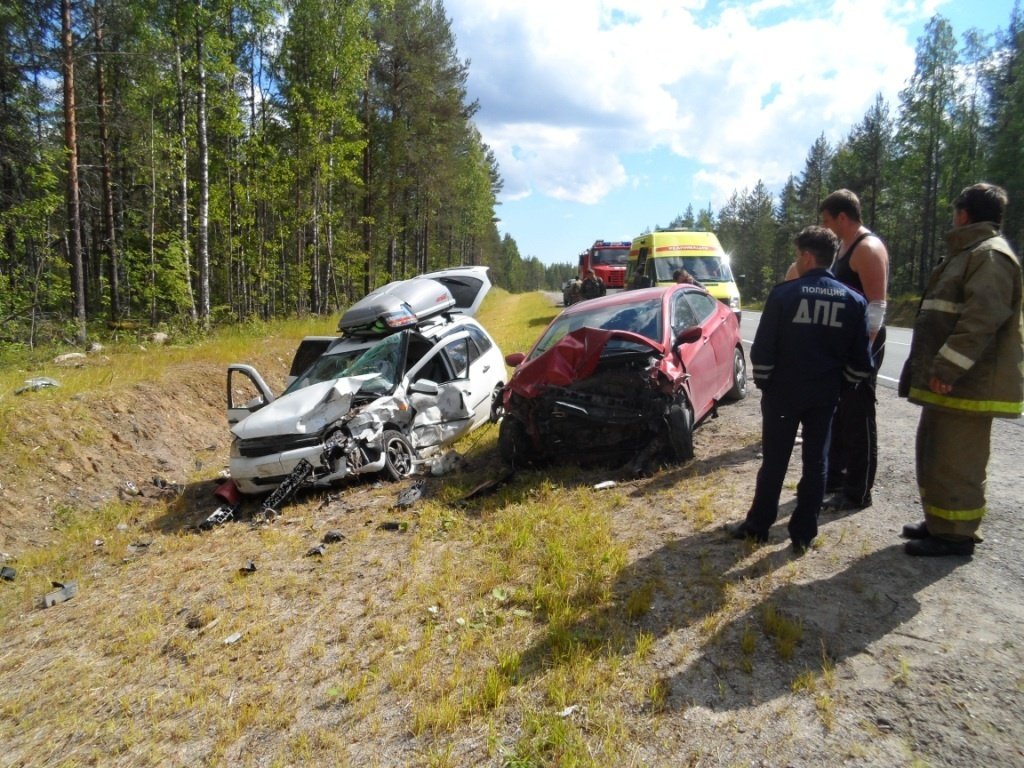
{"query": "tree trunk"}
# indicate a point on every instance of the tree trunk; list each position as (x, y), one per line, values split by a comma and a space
(183, 222)
(203, 224)
(109, 230)
(74, 229)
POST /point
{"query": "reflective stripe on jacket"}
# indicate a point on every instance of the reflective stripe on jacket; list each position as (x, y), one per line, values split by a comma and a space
(968, 331)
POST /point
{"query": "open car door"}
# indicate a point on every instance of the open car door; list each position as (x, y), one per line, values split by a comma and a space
(247, 392)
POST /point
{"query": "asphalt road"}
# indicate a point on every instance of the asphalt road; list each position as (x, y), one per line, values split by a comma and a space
(897, 347)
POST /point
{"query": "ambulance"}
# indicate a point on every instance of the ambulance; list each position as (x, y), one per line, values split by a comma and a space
(655, 257)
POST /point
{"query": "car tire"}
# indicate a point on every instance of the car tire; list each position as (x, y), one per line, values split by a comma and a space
(399, 456)
(514, 443)
(739, 376)
(680, 431)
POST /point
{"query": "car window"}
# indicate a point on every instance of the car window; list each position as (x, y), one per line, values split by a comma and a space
(481, 342)
(683, 315)
(458, 356)
(703, 305)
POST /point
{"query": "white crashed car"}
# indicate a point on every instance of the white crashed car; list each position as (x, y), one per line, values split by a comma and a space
(410, 376)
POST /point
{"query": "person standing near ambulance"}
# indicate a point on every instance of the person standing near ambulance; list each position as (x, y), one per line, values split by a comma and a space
(863, 265)
(811, 344)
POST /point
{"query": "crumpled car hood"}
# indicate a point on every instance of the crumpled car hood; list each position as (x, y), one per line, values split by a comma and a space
(305, 411)
(573, 358)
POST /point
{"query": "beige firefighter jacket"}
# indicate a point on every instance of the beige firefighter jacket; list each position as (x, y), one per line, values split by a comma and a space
(968, 331)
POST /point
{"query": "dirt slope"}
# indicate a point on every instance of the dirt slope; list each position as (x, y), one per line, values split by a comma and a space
(923, 659)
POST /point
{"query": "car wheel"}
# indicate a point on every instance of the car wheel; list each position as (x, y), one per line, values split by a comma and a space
(514, 443)
(399, 457)
(680, 431)
(739, 376)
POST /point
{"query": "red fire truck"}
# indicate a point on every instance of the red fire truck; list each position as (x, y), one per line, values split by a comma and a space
(608, 260)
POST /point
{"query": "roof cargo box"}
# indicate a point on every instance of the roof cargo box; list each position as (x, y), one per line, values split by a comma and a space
(397, 305)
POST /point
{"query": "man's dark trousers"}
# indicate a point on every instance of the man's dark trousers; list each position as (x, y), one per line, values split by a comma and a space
(778, 434)
(853, 456)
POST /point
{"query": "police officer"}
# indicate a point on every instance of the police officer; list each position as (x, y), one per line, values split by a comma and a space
(812, 343)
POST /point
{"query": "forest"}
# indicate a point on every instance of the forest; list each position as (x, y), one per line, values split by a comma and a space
(185, 163)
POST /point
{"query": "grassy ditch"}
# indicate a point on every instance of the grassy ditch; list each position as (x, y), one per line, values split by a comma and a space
(529, 627)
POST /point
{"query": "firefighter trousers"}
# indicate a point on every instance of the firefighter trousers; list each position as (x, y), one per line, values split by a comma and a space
(952, 457)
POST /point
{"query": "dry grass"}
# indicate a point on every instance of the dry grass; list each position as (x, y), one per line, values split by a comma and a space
(526, 628)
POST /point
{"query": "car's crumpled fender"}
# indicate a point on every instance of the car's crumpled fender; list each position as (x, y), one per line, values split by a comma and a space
(439, 417)
(573, 358)
(305, 411)
(367, 424)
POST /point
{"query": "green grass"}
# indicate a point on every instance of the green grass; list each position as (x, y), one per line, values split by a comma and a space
(514, 624)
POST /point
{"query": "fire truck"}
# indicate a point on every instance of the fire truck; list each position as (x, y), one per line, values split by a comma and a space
(608, 260)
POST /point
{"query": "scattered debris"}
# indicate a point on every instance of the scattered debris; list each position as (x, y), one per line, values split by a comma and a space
(488, 486)
(569, 711)
(98, 543)
(228, 493)
(61, 594)
(394, 525)
(272, 504)
(410, 495)
(72, 358)
(316, 551)
(7, 573)
(249, 567)
(219, 516)
(34, 385)
(605, 485)
(138, 546)
(128, 488)
(167, 487)
(446, 463)
(233, 638)
(94, 346)
(333, 537)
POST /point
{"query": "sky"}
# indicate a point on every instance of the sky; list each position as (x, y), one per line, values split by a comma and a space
(610, 118)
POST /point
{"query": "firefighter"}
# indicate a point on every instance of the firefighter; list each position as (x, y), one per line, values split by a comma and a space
(964, 369)
(593, 286)
(571, 293)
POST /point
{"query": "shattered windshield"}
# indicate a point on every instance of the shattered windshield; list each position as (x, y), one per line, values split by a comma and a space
(325, 368)
(642, 317)
(383, 359)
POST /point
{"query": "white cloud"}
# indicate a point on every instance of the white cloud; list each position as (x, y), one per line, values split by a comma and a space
(570, 88)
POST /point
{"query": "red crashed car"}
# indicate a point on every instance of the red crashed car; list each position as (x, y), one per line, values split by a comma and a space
(625, 377)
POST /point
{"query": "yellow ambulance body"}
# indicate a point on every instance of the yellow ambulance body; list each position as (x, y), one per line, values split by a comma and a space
(654, 258)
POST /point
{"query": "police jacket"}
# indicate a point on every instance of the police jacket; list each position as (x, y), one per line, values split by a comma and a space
(811, 342)
(968, 328)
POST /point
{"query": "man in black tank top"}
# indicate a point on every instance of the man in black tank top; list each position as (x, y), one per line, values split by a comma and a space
(862, 264)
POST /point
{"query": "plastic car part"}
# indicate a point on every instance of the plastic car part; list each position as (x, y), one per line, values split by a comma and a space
(219, 516)
(283, 492)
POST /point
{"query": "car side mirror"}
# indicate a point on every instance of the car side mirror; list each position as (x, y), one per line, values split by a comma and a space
(688, 336)
(514, 359)
(424, 387)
